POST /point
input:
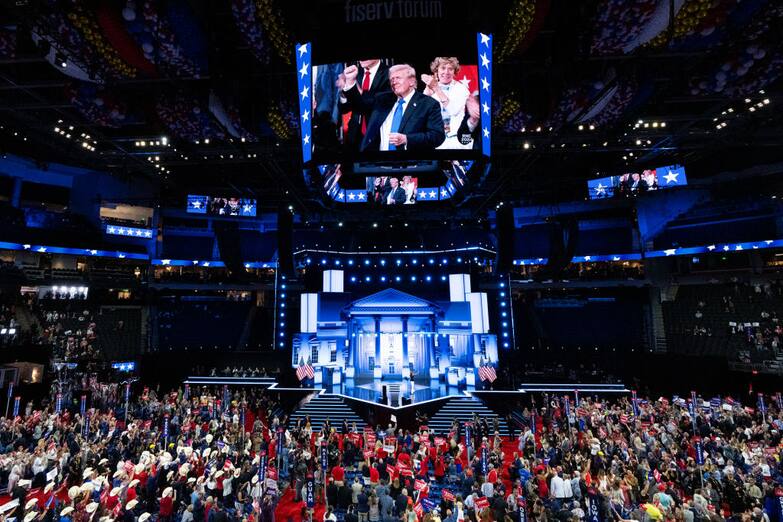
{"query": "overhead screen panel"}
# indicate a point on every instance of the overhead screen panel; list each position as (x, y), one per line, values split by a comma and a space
(638, 182)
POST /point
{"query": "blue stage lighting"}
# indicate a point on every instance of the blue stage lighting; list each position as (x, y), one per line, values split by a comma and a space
(282, 305)
(367, 278)
(323, 261)
(502, 294)
(308, 260)
(282, 295)
(413, 278)
(445, 261)
(399, 262)
(459, 260)
(281, 345)
(350, 262)
(366, 262)
(503, 314)
(383, 262)
(502, 303)
(414, 261)
(282, 324)
(353, 279)
(397, 278)
(429, 278)
(283, 285)
(383, 279)
(432, 261)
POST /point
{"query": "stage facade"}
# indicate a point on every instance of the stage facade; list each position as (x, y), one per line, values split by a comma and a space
(394, 336)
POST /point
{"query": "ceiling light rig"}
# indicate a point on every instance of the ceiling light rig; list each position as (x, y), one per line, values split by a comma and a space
(68, 132)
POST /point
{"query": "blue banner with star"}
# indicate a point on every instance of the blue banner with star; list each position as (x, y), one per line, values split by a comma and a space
(484, 44)
(304, 73)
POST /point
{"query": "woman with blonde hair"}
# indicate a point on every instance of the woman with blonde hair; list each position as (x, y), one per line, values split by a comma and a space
(452, 96)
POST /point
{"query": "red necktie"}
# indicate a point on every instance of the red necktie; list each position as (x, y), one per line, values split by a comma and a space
(365, 88)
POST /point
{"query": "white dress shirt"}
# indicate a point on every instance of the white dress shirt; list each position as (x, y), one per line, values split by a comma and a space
(387, 123)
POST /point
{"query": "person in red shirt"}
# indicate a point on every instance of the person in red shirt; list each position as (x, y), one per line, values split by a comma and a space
(374, 475)
(440, 469)
(338, 473)
(166, 505)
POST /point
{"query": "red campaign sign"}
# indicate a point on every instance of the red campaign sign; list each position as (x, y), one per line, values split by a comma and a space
(521, 502)
(271, 473)
(368, 454)
(391, 441)
(438, 441)
(406, 472)
(447, 495)
(371, 439)
(419, 510)
(147, 425)
(481, 503)
(391, 470)
(419, 485)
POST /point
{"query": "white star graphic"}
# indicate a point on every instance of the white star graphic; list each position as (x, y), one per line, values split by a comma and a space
(739, 247)
(341, 195)
(485, 107)
(305, 115)
(195, 261)
(165, 261)
(670, 252)
(303, 70)
(422, 194)
(362, 195)
(306, 139)
(148, 233)
(484, 39)
(486, 132)
(26, 246)
(121, 256)
(671, 177)
(139, 233)
(111, 230)
(206, 263)
(725, 248)
(121, 231)
(485, 84)
(768, 241)
(616, 258)
(484, 60)
(711, 248)
(443, 193)
(197, 204)
(93, 252)
(351, 196)
(465, 81)
(600, 190)
(433, 194)
(588, 258)
(302, 50)
(305, 91)
(42, 249)
(247, 209)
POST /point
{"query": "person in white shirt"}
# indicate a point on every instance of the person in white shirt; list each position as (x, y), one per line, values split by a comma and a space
(450, 94)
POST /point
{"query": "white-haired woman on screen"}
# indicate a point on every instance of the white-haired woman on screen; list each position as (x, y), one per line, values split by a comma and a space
(450, 93)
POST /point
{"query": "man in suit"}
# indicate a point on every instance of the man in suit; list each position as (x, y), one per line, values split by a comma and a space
(401, 120)
(371, 80)
(470, 128)
(396, 195)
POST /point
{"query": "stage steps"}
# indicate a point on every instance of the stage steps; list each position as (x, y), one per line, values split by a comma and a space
(321, 406)
(463, 408)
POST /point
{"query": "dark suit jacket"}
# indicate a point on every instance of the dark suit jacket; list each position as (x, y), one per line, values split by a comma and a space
(361, 107)
(421, 123)
(398, 195)
(465, 135)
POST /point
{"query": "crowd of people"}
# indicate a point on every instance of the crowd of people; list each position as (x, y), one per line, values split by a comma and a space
(196, 454)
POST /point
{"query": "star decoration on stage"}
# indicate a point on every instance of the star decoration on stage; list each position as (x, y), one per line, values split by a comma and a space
(303, 70)
(484, 39)
(247, 209)
(197, 204)
(305, 92)
(351, 196)
(486, 132)
(600, 190)
(484, 60)
(711, 248)
(465, 81)
(671, 177)
(306, 139)
(302, 50)
(485, 108)
(305, 115)
(670, 252)
(588, 258)
(165, 261)
(485, 84)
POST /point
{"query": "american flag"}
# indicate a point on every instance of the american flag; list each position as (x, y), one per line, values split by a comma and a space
(304, 370)
(623, 418)
(487, 373)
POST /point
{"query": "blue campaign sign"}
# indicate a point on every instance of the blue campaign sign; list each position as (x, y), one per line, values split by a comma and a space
(699, 453)
(310, 496)
(428, 504)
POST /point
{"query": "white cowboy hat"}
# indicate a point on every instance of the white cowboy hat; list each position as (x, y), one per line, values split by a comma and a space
(133, 483)
(67, 510)
(132, 504)
(91, 507)
(30, 516)
(168, 491)
(30, 503)
(73, 492)
(144, 517)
